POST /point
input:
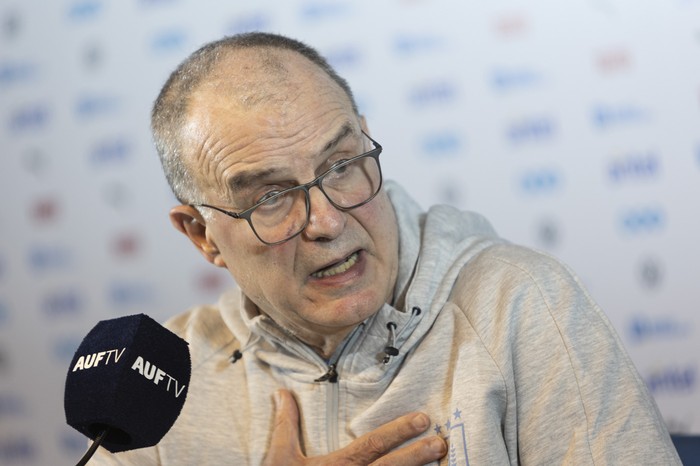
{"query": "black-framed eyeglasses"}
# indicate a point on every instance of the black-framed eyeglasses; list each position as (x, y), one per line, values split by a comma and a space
(282, 215)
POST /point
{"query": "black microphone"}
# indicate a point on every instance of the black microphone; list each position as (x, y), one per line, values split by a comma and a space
(127, 383)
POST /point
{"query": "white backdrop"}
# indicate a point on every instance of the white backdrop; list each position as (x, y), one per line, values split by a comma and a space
(573, 126)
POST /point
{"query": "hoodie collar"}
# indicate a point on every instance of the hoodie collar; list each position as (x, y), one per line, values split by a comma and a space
(451, 237)
(408, 217)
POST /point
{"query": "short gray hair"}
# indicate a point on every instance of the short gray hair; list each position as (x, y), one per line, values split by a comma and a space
(170, 108)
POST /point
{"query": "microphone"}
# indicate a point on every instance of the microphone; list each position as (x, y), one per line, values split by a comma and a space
(127, 383)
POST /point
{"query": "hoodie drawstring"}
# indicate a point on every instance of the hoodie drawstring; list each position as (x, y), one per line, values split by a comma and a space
(331, 375)
(390, 349)
(238, 353)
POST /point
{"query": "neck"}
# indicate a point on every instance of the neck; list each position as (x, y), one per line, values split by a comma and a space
(324, 345)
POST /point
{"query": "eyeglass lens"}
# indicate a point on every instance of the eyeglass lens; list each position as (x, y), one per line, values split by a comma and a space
(346, 186)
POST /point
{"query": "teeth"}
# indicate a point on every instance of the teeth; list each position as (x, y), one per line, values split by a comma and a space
(340, 268)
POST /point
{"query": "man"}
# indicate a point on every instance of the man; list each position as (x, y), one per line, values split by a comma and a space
(354, 308)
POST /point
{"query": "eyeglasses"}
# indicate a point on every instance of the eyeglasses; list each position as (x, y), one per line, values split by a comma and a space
(282, 215)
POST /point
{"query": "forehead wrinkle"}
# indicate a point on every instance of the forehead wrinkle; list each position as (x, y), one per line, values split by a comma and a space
(214, 157)
(215, 161)
(199, 158)
(243, 179)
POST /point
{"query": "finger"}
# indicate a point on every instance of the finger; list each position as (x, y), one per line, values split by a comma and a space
(385, 438)
(284, 442)
(418, 453)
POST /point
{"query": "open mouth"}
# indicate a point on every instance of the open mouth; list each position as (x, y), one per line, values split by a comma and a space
(338, 267)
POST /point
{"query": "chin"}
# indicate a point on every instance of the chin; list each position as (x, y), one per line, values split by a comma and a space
(346, 314)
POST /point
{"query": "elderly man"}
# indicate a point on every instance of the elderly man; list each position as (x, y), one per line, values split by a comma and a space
(356, 315)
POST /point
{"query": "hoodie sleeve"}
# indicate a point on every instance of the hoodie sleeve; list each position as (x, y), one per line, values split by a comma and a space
(573, 394)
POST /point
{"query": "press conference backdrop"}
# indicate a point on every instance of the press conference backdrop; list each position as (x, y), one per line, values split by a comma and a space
(573, 126)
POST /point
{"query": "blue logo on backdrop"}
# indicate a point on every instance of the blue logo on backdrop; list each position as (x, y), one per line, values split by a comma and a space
(167, 41)
(18, 72)
(62, 303)
(414, 44)
(31, 117)
(42, 258)
(16, 450)
(346, 57)
(157, 2)
(531, 129)
(90, 106)
(114, 150)
(643, 328)
(504, 80)
(84, 9)
(438, 92)
(258, 21)
(64, 348)
(634, 166)
(643, 220)
(129, 294)
(441, 144)
(71, 442)
(540, 181)
(11, 405)
(671, 380)
(320, 10)
(606, 116)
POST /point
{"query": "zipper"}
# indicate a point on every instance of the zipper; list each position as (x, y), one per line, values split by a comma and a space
(331, 374)
(333, 392)
(332, 397)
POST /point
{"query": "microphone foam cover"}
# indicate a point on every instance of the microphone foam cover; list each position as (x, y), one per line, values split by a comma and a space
(130, 374)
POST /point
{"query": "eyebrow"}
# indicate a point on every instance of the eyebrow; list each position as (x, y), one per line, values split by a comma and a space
(342, 133)
(246, 178)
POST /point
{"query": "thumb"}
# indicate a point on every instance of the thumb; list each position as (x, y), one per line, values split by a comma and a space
(284, 442)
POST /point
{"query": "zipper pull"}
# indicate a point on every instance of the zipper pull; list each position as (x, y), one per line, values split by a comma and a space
(330, 376)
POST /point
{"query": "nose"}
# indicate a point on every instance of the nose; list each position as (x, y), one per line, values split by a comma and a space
(325, 221)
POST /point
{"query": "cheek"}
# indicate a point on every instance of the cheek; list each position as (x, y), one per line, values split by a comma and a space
(259, 269)
(381, 224)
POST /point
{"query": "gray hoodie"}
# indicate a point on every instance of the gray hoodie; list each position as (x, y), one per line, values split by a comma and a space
(500, 345)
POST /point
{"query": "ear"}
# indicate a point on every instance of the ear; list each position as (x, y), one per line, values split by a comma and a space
(363, 124)
(190, 222)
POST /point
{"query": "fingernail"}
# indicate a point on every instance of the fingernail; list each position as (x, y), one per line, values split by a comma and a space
(420, 421)
(437, 445)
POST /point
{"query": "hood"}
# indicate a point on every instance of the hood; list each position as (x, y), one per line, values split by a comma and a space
(433, 248)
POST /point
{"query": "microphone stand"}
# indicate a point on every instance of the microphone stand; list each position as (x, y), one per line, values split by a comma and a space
(95, 445)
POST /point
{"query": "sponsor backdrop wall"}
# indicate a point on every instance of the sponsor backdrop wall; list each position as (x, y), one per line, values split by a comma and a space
(574, 126)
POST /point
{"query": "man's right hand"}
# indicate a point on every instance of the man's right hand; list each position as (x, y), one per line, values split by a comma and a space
(376, 447)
